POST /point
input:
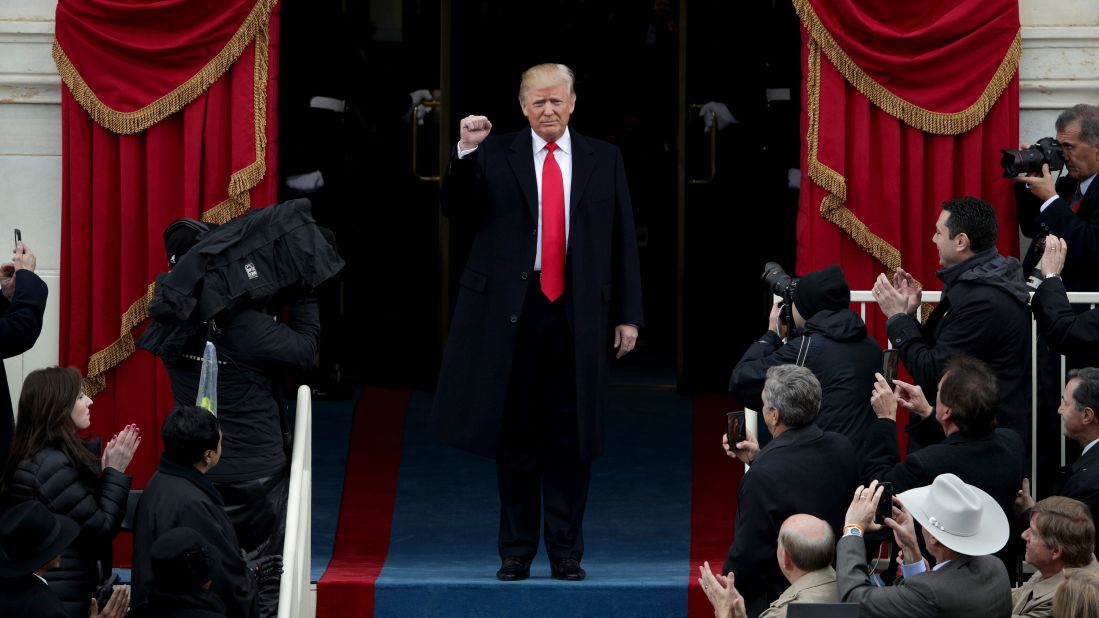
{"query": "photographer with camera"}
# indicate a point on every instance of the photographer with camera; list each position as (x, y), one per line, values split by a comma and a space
(823, 334)
(1067, 209)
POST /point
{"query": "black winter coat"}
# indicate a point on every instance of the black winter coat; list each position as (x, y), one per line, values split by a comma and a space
(253, 349)
(179, 496)
(838, 351)
(983, 313)
(97, 503)
(20, 325)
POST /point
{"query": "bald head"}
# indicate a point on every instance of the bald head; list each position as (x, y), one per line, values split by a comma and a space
(808, 541)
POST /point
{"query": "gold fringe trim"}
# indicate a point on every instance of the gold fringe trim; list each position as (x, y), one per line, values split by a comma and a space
(832, 206)
(239, 202)
(109, 357)
(126, 123)
(937, 123)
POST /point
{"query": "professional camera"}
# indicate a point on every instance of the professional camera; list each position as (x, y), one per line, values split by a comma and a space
(1030, 160)
(783, 285)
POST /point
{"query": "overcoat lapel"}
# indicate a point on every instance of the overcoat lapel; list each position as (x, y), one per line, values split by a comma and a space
(583, 162)
(522, 164)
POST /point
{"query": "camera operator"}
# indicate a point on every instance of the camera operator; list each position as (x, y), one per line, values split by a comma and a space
(1068, 209)
(829, 339)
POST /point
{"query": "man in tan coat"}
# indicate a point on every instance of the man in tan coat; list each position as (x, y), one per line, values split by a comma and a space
(1061, 536)
(806, 548)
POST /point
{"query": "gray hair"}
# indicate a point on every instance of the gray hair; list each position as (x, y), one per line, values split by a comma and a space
(795, 392)
(1088, 115)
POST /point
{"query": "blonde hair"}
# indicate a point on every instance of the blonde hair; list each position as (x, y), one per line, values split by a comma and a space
(1077, 596)
(545, 76)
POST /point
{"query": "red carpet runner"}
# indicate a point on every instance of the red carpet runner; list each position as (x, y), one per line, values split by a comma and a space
(366, 509)
(714, 482)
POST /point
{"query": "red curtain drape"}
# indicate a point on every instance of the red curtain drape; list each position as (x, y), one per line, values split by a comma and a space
(169, 111)
(906, 105)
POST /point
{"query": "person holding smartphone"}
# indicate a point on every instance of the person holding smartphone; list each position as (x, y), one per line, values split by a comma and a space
(22, 303)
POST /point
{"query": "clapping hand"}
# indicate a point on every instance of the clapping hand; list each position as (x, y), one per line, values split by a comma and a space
(722, 594)
(1053, 258)
(121, 448)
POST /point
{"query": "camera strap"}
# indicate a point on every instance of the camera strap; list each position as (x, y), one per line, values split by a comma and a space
(803, 351)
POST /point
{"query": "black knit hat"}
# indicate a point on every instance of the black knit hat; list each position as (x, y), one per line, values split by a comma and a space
(821, 290)
(31, 536)
(180, 236)
(181, 560)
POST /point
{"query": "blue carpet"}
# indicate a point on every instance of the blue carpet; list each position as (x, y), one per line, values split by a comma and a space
(442, 557)
(331, 436)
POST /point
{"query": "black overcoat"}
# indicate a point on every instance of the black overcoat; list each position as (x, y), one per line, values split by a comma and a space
(1080, 230)
(495, 190)
(20, 325)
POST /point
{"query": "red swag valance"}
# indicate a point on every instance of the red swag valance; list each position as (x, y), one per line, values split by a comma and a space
(131, 65)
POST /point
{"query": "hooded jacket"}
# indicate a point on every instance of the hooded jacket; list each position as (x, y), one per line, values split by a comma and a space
(840, 354)
(983, 313)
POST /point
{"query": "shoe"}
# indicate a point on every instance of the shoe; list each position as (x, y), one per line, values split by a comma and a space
(513, 570)
(567, 569)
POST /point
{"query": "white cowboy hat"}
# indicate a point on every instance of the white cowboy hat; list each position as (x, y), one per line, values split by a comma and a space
(962, 517)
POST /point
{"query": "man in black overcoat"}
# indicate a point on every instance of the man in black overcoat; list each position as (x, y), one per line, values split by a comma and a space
(550, 290)
(802, 470)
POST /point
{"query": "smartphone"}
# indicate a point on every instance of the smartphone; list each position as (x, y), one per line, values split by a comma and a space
(889, 365)
(105, 590)
(18, 237)
(885, 505)
(737, 431)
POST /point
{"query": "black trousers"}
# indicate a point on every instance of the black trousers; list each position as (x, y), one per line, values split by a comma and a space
(538, 469)
(257, 509)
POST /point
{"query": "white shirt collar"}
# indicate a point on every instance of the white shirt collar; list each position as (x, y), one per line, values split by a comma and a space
(1087, 183)
(564, 144)
(1090, 444)
(41, 578)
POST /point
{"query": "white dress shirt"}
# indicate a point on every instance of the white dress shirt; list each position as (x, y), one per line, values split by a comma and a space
(563, 156)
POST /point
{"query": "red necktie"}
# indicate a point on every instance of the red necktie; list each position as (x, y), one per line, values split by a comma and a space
(1076, 199)
(553, 227)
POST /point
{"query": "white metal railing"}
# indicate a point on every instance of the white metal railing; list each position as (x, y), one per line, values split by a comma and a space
(295, 599)
(865, 297)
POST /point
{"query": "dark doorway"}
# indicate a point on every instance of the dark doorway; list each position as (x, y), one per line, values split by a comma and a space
(639, 67)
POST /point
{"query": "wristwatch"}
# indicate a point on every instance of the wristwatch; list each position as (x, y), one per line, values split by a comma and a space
(1051, 275)
(855, 530)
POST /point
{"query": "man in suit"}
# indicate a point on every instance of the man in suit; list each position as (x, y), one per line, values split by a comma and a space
(983, 311)
(802, 470)
(21, 309)
(551, 287)
(989, 458)
(1068, 209)
(961, 525)
(1080, 413)
(31, 541)
(1061, 536)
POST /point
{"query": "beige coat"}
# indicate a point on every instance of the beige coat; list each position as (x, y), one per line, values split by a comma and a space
(1034, 599)
(816, 587)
